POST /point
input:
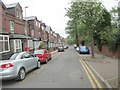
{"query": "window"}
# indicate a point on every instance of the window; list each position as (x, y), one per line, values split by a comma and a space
(32, 33)
(42, 27)
(20, 15)
(39, 24)
(30, 44)
(17, 45)
(36, 44)
(38, 51)
(17, 13)
(12, 26)
(25, 55)
(4, 43)
(36, 23)
(13, 57)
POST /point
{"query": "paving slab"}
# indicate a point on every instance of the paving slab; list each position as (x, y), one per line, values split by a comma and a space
(106, 67)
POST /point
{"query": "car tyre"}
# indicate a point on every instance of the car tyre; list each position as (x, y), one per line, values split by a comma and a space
(21, 75)
(50, 58)
(46, 60)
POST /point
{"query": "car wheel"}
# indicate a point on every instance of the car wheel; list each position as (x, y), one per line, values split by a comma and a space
(46, 60)
(38, 64)
(21, 74)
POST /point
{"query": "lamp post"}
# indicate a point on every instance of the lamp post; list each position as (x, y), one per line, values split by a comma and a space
(25, 21)
(26, 29)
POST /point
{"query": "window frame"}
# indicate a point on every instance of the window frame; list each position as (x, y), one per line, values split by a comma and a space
(19, 43)
(30, 44)
(12, 26)
(3, 42)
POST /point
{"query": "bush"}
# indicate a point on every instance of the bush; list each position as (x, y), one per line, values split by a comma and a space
(41, 46)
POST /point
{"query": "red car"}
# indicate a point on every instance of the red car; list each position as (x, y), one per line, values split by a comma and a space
(43, 55)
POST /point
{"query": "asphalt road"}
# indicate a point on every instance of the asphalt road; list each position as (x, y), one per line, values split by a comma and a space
(63, 71)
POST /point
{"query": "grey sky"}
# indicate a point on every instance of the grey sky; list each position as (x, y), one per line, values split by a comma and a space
(51, 12)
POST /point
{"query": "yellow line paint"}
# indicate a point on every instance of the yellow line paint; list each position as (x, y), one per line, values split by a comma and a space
(90, 79)
(97, 82)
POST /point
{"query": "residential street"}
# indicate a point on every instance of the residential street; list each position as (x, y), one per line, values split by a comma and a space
(63, 71)
(66, 44)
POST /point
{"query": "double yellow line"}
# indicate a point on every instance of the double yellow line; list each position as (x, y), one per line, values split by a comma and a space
(94, 82)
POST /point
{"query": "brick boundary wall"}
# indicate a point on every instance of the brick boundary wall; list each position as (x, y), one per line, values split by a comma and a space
(107, 52)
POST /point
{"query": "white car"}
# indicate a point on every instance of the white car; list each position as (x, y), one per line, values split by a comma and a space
(77, 49)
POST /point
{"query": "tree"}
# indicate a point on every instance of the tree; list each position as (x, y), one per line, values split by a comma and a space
(102, 27)
(87, 13)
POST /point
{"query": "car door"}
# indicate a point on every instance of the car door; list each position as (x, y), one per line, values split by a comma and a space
(33, 60)
(29, 61)
(26, 61)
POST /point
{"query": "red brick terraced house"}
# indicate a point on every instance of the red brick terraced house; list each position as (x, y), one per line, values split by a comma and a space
(44, 35)
(35, 32)
(13, 25)
(18, 34)
(4, 36)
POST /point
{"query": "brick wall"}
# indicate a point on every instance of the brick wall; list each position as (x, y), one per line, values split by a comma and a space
(107, 52)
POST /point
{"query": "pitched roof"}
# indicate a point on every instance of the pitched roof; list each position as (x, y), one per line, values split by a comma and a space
(11, 5)
(2, 4)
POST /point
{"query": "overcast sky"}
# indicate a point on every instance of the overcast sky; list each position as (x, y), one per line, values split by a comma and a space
(51, 12)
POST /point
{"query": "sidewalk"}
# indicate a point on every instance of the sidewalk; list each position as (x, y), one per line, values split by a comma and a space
(53, 52)
(105, 67)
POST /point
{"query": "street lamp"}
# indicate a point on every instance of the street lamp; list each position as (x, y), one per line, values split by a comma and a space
(25, 21)
(26, 28)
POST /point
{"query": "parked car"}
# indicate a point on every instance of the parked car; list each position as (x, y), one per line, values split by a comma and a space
(43, 55)
(77, 49)
(75, 46)
(65, 47)
(84, 50)
(61, 49)
(18, 65)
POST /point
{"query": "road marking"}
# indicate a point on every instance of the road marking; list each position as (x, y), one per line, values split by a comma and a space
(93, 76)
(90, 79)
(104, 81)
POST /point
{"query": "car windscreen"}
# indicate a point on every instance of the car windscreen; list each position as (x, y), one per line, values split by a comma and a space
(13, 57)
(38, 51)
(60, 47)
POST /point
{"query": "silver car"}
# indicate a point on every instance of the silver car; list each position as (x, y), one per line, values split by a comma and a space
(18, 65)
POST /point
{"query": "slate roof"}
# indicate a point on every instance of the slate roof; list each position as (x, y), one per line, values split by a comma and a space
(11, 5)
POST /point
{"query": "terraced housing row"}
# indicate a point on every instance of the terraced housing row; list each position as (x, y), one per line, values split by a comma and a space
(19, 34)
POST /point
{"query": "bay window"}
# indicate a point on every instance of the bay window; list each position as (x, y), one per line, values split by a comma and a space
(4, 43)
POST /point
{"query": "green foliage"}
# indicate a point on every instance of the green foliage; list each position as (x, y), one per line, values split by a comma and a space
(92, 21)
(41, 46)
(83, 17)
(70, 40)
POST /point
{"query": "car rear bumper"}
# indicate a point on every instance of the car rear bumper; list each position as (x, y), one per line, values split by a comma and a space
(8, 74)
(84, 52)
(42, 59)
(60, 50)
(8, 77)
